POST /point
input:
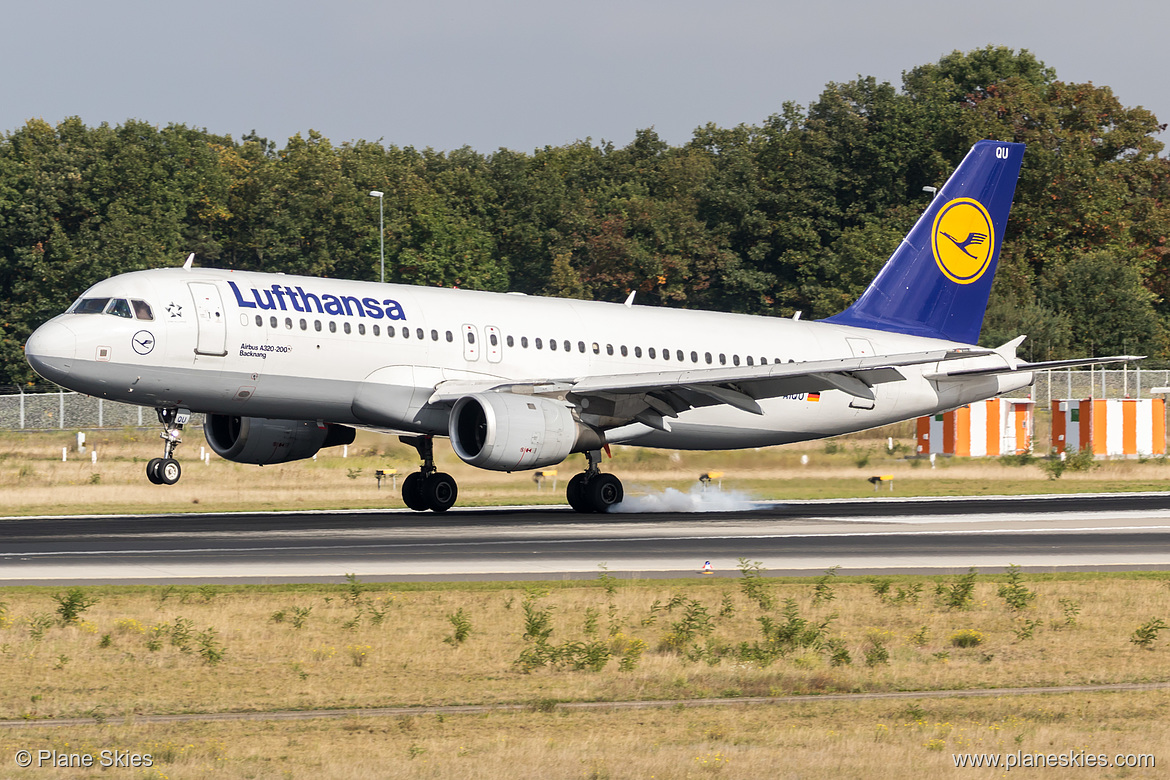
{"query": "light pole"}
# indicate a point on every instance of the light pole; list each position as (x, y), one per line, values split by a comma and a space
(381, 231)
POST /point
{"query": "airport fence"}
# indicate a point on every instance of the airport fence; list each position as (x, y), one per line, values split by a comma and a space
(1097, 383)
(62, 410)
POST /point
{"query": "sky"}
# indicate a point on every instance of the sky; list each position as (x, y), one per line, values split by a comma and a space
(526, 74)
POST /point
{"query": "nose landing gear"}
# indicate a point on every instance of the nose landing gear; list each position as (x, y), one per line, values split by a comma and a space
(592, 491)
(428, 488)
(166, 470)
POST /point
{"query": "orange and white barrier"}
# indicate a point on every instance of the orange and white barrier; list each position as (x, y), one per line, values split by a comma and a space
(997, 426)
(1112, 428)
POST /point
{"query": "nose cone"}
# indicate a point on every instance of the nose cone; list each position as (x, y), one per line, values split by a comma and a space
(51, 350)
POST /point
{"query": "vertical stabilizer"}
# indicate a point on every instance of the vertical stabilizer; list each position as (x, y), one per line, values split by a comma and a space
(939, 278)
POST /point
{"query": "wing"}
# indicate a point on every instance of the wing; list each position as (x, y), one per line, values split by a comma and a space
(612, 400)
(960, 374)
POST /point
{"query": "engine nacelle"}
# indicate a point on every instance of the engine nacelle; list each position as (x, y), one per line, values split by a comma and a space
(262, 441)
(509, 432)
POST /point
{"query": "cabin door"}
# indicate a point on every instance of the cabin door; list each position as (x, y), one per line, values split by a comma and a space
(209, 316)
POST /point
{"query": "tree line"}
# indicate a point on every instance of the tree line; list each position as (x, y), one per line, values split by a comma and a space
(797, 213)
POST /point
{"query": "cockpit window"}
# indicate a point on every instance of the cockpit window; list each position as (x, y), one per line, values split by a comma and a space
(119, 308)
(91, 306)
(142, 310)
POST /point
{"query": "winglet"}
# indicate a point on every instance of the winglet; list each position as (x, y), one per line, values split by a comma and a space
(1008, 351)
(630, 299)
(190, 259)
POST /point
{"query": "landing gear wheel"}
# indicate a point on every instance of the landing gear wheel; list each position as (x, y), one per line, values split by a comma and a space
(412, 492)
(169, 471)
(166, 470)
(602, 492)
(152, 469)
(440, 491)
(575, 492)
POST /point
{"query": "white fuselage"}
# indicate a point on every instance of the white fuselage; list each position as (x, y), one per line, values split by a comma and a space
(369, 354)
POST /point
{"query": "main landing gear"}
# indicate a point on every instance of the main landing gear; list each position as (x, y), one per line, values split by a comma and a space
(428, 488)
(592, 491)
(166, 470)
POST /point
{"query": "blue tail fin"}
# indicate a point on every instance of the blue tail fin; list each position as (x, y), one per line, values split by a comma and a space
(938, 280)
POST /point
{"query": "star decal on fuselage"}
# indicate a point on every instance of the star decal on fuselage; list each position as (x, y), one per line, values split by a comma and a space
(175, 310)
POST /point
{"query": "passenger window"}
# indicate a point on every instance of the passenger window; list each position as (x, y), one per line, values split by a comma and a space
(435, 335)
(666, 354)
(377, 330)
(539, 344)
(361, 329)
(494, 339)
(625, 352)
(735, 359)
(272, 322)
(142, 310)
(707, 357)
(678, 353)
(470, 336)
(609, 349)
(450, 337)
(259, 321)
(651, 353)
(91, 306)
(317, 325)
(581, 347)
(722, 359)
(524, 342)
(346, 327)
(552, 344)
(511, 342)
(119, 308)
(304, 325)
(750, 363)
(406, 334)
(419, 333)
(390, 331)
(288, 322)
(637, 352)
(569, 346)
(332, 326)
(694, 357)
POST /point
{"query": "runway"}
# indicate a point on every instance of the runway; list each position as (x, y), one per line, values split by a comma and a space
(882, 535)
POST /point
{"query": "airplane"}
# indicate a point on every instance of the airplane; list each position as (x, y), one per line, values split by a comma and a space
(283, 366)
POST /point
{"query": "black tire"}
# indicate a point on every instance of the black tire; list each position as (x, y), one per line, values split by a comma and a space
(169, 471)
(603, 491)
(152, 471)
(575, 493)
(439, 492)
(412, 492)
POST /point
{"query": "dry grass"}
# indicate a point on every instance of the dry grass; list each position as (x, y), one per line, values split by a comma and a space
(343, 656)
(815, 741)
(33, 480)
(107, 664)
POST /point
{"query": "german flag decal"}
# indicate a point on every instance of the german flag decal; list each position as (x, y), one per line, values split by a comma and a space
(814, 397)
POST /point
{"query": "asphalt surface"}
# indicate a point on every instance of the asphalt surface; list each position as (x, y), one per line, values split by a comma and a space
(881, 535)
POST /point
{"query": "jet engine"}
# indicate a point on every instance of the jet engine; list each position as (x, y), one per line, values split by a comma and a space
(262, 441)
(510, 432)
